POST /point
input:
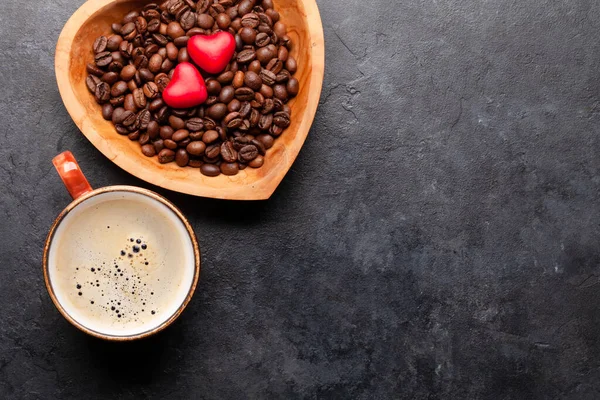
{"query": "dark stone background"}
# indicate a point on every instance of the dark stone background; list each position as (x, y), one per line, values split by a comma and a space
(437, 237)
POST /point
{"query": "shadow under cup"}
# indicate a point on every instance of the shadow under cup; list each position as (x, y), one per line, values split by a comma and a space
(121, 263)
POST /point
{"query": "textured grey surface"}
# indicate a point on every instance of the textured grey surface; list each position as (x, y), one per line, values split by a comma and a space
(436, 238)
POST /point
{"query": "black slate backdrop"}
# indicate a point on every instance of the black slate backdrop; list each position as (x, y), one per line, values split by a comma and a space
(436, 238)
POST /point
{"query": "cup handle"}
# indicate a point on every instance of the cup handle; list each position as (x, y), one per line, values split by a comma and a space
(71, 174)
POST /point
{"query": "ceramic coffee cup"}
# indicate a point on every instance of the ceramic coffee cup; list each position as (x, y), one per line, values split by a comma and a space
(120, 262)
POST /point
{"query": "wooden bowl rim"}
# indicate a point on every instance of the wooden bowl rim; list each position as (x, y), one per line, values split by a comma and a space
(260, 189)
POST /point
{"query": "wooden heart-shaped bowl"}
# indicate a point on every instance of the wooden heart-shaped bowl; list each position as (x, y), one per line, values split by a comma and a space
(74, 51)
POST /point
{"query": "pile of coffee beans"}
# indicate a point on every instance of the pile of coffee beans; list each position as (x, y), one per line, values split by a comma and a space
(246, 108)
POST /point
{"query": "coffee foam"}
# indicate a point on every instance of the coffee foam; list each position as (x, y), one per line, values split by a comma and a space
(121, 263)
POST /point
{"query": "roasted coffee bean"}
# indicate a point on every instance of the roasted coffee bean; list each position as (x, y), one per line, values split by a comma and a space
(155, 63)
(163, 52)
(275, 66)
(183, 55)
(91, 82)
(238, 80)
(234, 105)
(118, 89)
(172, 52)
(170, 144)
(210, 170)
(94, 70)
(151, 49)
(166, 156)
(196, 135)
(217, 111)
(259, 146)
(103, 59)
(115, 66)
(266, 140)
(282, 53)
(127, 118)
(264, 55)
(128, 72)
(128, 29)
(133, 136)
(167, 65)
(257, 162)
(250, 20)
(213, 87)
(281, 119)
(174, 30)
(146, 75)
(259, 100)
(210, 136)
(223, 21)
(155, 104)
(293, 87)
(209, 124)
(291, 65)
(194, 124)
(245, 109)
(144, 117)
(126, 49)
(145, 139)
(244, 94)
(245, 56)
(158, 145)
(262, 39)
(252, 80)
(182, 158)
(130, 16)
(245, 6)
(213, 151)
(228, 153)
(187, 20)
(247, 153)
(116, 27)
(160, 39)
(239, 142)
(117, 115)
(153, 129)
(151, 90)
(196, 148)
(268, 106)
(129, 104)
(162, 115)
(254, 118)
(99, 45)
(225, 77)
(280, 29)
(139, 98)
(180, 135)
(232, 120)
(265, 122)
(266, 91)
(274, 15)
(148, 150)
(280, 92)
(227, 94)
(255, 67)
(141, 61)
(166, 132)
(107, 111)
(239, 43)
(248, 35)
(205, 21)
(121, 130)
(268, 77)
(162, 81)
(176, 122)
(229, 168)
(141, 25)
(102, 92)
(283, 76)
(153, 25)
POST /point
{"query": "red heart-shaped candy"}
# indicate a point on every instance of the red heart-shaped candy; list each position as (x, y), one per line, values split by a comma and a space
(212, 53)
(187, 88)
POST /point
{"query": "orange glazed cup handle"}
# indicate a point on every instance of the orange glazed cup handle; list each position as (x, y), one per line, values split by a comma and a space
(71, 174)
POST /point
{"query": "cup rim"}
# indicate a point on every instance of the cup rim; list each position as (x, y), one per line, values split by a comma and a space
(130, 189)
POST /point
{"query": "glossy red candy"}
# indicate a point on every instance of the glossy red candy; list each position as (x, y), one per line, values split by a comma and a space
(212, 53)
(187, 88)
